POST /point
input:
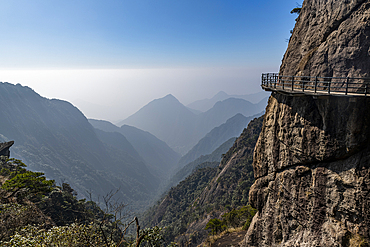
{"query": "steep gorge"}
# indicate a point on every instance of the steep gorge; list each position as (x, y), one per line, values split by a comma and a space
(312, 159)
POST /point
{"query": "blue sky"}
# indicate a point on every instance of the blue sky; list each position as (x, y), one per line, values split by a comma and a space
(168, 36)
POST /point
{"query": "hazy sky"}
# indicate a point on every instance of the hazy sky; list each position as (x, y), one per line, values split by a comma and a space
(111, 57)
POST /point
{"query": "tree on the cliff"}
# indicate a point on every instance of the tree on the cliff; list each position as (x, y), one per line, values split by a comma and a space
(296, 11)
(239, 217)
(50, 215)
(25, 183)
(216, 226)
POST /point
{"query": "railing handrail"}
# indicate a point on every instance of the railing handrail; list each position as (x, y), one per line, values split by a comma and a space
(349, 86)
(302, 76)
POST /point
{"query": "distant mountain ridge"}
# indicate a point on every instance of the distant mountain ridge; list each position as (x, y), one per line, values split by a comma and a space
(206, 104)
(156, 154)
(168, 120)
(233, 127)
(215, 156)
(54, 137)
(180, 128)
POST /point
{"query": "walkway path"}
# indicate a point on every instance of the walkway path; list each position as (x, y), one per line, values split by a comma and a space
(314, 85)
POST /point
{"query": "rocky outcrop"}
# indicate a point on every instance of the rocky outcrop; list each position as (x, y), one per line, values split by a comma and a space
(312, 159)
(4, 148)
(331, 38)
(312, 170)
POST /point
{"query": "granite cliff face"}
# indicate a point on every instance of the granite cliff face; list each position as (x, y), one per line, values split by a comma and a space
(312, 159)
(312, 170)
(331, 38)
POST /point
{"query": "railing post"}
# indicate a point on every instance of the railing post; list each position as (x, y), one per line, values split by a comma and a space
(329, 87)
(283, 83)
(266, 80)
(270, 78)
(292, 82)
(347, 85)
(365, 90)
(315, 84)
(275, 81)
(302, 85)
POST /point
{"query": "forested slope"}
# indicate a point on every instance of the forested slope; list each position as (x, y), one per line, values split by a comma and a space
(54, 137)
(208, 193)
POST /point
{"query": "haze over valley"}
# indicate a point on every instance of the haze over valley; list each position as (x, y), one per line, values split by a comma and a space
(97, 156)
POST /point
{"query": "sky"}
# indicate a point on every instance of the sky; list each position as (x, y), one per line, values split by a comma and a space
(109, 58)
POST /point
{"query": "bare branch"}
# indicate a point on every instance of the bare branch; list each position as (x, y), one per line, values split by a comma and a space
(138, 237)
(102, 231)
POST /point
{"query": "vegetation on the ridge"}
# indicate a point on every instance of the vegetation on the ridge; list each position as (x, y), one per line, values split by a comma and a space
(172, 212)
(296, 10)
(233, 186)
(215, 225)
(228, 237)
(57, 139)
(36, 212)
(240, 217)
(26, 184)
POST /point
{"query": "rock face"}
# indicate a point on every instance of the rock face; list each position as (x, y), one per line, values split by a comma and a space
(331, 38)
(312, 170)
(4, 148)
(312, 159)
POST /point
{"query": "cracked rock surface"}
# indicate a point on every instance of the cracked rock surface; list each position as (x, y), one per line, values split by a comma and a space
(331, 38)
(312, 170)
(312, 158)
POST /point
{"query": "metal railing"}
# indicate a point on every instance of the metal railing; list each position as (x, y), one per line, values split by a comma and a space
(316, 85)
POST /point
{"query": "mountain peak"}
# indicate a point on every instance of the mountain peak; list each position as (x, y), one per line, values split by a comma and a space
(221, 94)
(170, 97)
(162, 117)
(168, 102)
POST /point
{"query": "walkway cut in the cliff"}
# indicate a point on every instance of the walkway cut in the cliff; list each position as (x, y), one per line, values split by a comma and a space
(315, 85)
